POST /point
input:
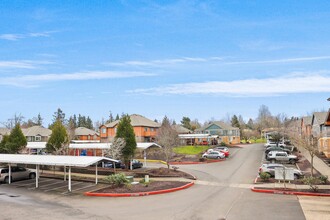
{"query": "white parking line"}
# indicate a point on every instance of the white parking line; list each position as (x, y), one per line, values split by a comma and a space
(33, 182)
(73, 184)
(89, 186)
(50, 184)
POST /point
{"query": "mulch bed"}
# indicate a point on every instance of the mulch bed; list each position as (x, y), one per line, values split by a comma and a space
(297, 182)
(325, 191)
(164, 172)
(135, 188)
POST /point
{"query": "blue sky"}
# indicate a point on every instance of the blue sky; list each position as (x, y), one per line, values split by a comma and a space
(201, 59)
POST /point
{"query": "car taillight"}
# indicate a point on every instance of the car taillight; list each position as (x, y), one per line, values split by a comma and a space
(259, 169)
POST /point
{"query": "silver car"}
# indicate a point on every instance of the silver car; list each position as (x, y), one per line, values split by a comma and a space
(17, 173)
(270, 169)
(214, 155)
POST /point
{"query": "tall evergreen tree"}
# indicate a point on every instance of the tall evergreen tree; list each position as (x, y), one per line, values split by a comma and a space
(234, 122)
(59, 115)
(58, 139)
(16, 140)
(125, 130)
(186, 122)
(117, 117)
(111, 118)
(89, 123)
(3, 142)
(39, 120)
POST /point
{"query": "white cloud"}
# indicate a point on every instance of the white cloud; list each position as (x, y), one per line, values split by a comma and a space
(217, 60)
(11, 37)
(15, 37)
(23, 64)
(162, 62)
(36, 80)
(249, 87)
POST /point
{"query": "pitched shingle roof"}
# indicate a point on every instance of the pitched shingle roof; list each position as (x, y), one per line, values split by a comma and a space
(319, 117)
(36, 130)
(221, 124)
(84, 131)
(181, 130)
(137, 120)
(4, 131)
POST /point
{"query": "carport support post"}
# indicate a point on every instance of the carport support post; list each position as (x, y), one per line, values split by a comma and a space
(64, 173)
(9, 173)
(37, 176)
(145, 157)
(69, 187)
(96, 173)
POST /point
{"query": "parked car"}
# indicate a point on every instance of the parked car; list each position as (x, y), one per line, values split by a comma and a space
(281, 156)
(269, 149)
(204, 143)
(274, 144)
(110, 165)
(224, 150)
(17, 173)
(136, 164)
(214, 155)
(270, 169)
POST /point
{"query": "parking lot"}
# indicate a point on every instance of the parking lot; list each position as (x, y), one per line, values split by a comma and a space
(57, 186)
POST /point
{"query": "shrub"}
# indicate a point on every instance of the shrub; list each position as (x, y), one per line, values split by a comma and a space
(223, 144)
(117, 180)
(202, 159)
(312, 182)
(264, 176)
(323, 179)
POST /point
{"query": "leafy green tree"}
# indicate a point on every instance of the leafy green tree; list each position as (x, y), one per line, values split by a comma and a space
(58, 139)
(125, 130)
(16, 140)
(186, 122)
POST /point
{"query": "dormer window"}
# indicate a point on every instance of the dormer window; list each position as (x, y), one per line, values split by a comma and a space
(37, 138)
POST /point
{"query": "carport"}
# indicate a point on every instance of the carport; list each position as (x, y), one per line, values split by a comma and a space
(144, 147)
(53, 160)
(93, 146)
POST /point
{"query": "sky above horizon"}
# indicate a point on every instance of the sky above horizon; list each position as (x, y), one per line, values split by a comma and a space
(200, 59)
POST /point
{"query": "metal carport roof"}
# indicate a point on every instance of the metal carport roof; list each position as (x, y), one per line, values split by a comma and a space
(52, 160)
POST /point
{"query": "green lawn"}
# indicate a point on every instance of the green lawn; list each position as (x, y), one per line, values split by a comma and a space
(191, 150)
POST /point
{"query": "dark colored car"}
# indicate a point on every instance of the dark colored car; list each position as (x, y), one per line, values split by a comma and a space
(110, 165)
(136, 164)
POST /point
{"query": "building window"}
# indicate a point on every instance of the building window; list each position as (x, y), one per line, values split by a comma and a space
(145, 129)
(88, 137)
(104, 130)
(152, 129)
(37, 138)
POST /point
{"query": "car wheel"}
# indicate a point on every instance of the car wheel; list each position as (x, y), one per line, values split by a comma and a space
(292, 161)
(295, 176)
(6, 180)
(218, 157)
(32, 175)
(273, 161)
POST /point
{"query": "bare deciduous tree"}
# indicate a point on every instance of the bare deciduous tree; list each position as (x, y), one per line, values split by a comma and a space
(115, 151)
(168, 138)
(309, 143)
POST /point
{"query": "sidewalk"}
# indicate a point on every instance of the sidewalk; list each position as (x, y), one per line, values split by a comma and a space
(318, 163)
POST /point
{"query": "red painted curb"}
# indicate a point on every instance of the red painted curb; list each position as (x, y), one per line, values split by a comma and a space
(274, 191)
(191, 162)
(139, 193)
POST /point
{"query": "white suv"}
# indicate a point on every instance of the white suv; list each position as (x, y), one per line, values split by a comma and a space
(281, 156)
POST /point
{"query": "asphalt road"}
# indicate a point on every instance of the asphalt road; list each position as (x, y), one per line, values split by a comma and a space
(222, 191)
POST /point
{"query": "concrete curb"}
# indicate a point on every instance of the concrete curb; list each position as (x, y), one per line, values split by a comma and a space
(139, 193)
(274, 191)
(192, 162)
